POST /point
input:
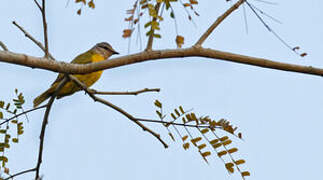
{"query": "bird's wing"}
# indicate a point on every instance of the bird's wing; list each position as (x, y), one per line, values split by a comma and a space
(84, 58)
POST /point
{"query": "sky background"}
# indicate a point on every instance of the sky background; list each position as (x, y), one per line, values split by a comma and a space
(279, 113)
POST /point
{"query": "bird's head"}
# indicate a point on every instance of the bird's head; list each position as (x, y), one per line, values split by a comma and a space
(104, 49)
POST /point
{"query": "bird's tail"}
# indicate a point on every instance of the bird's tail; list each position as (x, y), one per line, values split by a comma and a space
(41, 98)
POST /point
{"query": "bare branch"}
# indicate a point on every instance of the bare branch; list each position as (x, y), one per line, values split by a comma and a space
(45, 122)
(62, 67)
(39, 44)
(3, 46)
(124, 93)
(43, 12)
(129, 116)
(218, 22)
(151, 37)
(20, 173)
(25, 112)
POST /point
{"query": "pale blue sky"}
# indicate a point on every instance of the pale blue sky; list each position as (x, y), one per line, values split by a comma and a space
(279, 113)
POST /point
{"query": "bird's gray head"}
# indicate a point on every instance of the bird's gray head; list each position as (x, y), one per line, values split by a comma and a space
(104, 49)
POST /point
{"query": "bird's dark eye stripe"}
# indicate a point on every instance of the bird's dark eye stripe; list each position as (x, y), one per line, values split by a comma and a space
(104, 47)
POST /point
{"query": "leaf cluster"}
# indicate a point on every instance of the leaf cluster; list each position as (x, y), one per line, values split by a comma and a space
(10, 129)
(154, 9)
(206, 138)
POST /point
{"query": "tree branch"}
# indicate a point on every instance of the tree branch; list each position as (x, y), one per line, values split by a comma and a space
(45, 122)
(151, 37)
(218, 22)
(62, 67)
(39, 44)
(38, 5)
(3, 46)
(93, 91)
(43, 12)
(25, 112)
(20, 173)
(129, 116)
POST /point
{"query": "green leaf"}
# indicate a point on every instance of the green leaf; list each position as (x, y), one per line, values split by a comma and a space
(157, 36)
(1, 115)
(3, 131)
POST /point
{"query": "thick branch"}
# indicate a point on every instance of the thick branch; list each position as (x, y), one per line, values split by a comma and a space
(218, 22)
(42, 63)
(123, 93)
(39, 44)
(129, 116)
(3, 46)
(45, 122)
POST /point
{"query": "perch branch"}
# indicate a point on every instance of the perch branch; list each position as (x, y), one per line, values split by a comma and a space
(218, 22)
(93, 91)
(45, 122)
(62, 67)
(129, 116)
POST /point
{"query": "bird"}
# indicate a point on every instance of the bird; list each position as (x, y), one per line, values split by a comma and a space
(99, 52)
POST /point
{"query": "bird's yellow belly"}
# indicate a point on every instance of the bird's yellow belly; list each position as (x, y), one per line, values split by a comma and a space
(88, 79)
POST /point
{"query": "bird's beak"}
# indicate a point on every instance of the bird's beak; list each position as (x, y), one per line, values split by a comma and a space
(115, 52)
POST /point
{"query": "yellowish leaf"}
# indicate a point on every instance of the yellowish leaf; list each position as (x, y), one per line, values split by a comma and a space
(207, 153)
(179, 41)
(203, 131)
(240, 161)
(184, 137)
(245, 173)
(195, 140)
(229, 167)
(201, 146)
(222, 153)
(232, 150)
(224, 138)
(186, 146)
(227, 142)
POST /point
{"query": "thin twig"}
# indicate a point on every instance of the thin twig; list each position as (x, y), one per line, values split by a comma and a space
(151, 37)
(20, 173)
(176, 124)
(218, 22)
(44, 123)
(43, 12)
(38, 5)
(25, 112)
(124, 93)
(129, 116)
(3, 46)
(39, 44)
